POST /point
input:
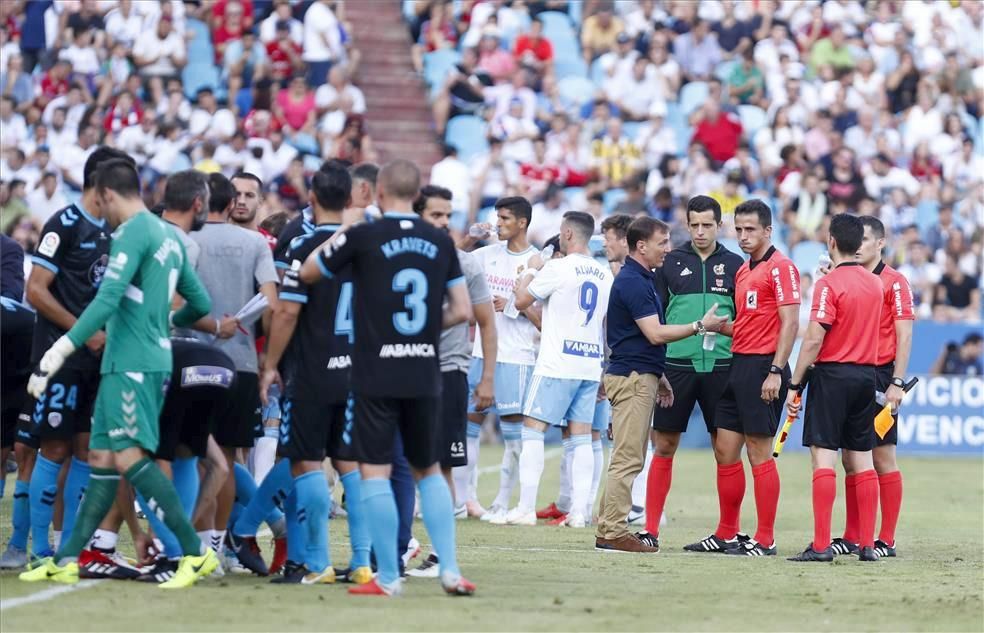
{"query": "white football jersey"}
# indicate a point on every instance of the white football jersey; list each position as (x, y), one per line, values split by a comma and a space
(574, 291)
(516, 337)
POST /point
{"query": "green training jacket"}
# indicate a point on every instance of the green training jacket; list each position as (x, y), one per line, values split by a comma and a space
(688, 288)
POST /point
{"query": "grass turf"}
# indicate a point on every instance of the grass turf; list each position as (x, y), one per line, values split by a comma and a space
(547, 578)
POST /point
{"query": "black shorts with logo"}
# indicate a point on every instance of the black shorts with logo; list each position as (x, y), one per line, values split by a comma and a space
(690, 388)
(65, 409)
(741, 408)
(377, 420)
(883, 380)
(235, 426)
(840, 407)
(312, 429)
(202, 380)
(454, 418)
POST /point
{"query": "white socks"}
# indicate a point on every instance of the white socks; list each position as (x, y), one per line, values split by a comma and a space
(564, 498)
(599, 464)
(582, 467)
(530, 468)
(265, 453)
(508, 473)
(104, 539)
(466, 477)
(639, 485)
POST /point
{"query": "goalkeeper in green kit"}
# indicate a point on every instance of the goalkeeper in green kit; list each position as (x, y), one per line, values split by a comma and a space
(147, 265)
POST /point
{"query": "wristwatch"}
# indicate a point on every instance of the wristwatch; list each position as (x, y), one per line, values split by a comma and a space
(775, 369)
(699, 329)
(898, 382)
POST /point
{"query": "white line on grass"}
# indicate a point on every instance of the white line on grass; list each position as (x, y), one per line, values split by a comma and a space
(45, 595)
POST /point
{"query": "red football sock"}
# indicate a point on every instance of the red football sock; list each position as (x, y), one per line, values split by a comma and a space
(766, 478)
(657, 487)
(824, 494)
(851, 530)
(867, 482)
(731, 491)
(890, 493)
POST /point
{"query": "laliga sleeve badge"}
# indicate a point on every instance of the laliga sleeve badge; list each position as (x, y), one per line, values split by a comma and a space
(54, 419)
(49, 244)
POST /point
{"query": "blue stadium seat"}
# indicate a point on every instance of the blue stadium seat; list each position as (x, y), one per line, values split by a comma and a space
(806, 254)
(575, 9)
(556, 25)
(468, 134)
(692, 96)
(573, 192)
(576, 89)
(408, 11)
(632, 129)
(753, 118)
(927, 214)
(200, 47)
(723, 70)
(612, 197)
(436, 67)
(570, 66)
(200, 74)
(181, 163)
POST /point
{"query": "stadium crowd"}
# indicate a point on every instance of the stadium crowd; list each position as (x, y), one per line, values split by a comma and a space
(634, 107)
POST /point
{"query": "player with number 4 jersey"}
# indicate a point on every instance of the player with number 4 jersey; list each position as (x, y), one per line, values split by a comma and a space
(574, 291)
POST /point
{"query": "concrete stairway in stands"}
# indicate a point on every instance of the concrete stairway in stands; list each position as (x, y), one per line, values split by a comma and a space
(398, 113)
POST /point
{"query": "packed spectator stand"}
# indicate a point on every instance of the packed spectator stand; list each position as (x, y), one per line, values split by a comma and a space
(817, 107)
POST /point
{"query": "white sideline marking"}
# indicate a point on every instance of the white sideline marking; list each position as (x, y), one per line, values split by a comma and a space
(547, 454)
(45, 595)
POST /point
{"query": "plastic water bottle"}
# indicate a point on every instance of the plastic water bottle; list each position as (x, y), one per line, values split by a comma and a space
(823, 262)
(483, 230)
(710, 340)
(882, 401)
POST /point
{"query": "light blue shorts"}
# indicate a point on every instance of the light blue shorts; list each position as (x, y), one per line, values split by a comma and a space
(602, 413)
(511, 381)
(557, 400)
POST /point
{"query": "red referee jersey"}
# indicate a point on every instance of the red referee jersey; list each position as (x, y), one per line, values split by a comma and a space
(760, 288)
(897, 306)
(848, 302)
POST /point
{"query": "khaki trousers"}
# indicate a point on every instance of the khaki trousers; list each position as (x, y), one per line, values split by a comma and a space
(633, 399)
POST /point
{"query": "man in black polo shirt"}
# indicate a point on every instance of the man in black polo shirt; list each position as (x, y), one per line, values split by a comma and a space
(842, 339)
(635, 382)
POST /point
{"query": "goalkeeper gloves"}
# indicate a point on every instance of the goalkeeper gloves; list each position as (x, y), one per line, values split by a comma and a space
(50, 363)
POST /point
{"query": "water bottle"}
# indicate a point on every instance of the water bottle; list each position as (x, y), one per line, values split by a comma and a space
(882, 401)
(483, 230)
(822, 263)
(710, 340)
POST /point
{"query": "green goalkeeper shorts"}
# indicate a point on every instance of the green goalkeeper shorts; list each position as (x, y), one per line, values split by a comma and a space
(127, 410)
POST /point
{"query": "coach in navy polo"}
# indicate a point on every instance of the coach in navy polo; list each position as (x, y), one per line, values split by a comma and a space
(634, 380)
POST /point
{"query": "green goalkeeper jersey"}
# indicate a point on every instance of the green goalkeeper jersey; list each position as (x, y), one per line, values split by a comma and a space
(147, 264)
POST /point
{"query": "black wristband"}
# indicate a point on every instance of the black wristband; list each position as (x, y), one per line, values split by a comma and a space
(775, 369)
(898, 382)
(793, 386)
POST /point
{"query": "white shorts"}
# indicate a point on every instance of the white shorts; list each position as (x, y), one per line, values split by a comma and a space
(511, 381)
(559, 400)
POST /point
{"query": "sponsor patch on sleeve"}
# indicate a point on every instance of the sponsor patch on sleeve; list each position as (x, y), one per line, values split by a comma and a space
(49, 244)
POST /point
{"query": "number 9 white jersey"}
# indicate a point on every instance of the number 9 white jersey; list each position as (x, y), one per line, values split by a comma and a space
(574, 291)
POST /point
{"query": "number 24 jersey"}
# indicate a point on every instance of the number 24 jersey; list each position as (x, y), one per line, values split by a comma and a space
(401, 269)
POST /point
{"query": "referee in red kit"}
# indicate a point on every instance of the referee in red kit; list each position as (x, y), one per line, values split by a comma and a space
(767, 298)
(842, 341)
(894, 347)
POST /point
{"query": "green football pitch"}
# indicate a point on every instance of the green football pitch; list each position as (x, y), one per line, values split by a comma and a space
(547, 578)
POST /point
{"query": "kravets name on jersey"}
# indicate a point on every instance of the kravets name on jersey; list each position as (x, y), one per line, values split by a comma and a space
(404, 266)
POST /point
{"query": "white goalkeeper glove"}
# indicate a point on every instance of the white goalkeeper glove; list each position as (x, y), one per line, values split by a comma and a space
(50, 363)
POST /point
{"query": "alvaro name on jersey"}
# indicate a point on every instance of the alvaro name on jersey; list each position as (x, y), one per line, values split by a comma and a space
(574, 290)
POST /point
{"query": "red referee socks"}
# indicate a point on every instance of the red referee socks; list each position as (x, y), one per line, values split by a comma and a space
(867, 484)
(824, 493)
(766, 478)
(890, 492)
(731, 490)
(851, 529)
(657, 487)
